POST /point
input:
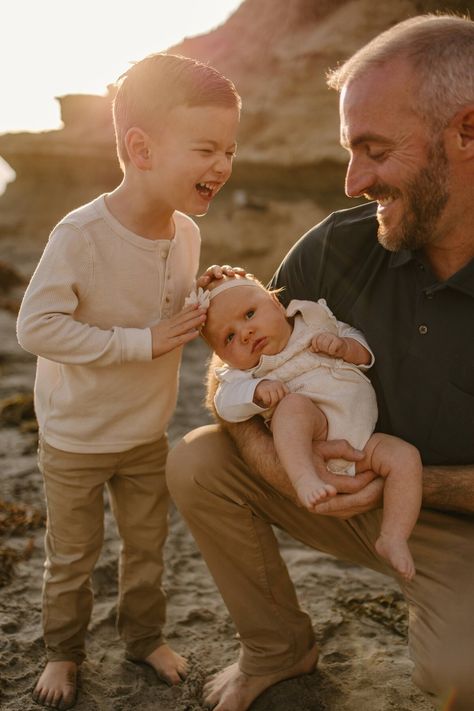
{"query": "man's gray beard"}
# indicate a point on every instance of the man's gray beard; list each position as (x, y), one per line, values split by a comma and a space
(426, 196)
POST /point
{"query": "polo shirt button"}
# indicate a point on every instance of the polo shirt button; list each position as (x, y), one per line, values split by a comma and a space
(422, 329)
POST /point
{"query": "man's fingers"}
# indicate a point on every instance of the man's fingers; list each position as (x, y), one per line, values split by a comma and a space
(337, 449)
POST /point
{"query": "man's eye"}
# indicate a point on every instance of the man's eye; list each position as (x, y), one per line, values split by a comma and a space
(228, 338)
(377, 155)
(249, 313)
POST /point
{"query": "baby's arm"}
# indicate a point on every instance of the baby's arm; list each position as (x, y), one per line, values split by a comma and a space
(268, 393)
(234, 399)
(350, 350)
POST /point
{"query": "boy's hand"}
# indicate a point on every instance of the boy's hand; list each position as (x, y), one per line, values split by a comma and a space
(172, 332)
(268, 393)
(329, 344)
(217, 272)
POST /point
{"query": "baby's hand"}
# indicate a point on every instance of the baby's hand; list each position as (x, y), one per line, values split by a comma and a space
(329, 344)
(172, 332)
(268, 393)
(217, 272)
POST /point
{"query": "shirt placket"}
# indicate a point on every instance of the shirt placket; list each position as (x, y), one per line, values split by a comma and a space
(166, 273)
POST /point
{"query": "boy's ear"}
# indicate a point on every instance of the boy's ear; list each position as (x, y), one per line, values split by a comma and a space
(137, 143)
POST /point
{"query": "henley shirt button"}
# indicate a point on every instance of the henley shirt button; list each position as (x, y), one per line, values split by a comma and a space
(422, 329)
(168, 300)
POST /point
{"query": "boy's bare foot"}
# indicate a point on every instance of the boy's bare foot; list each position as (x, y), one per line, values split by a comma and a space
(233, 690)
(167, 664)
(57, 686)
(396, 551)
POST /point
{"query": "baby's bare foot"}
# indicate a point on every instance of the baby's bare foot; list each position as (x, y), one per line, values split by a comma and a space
(312, 490)
(233, 690)
(168, 664)
(57, 686)
(396, 551)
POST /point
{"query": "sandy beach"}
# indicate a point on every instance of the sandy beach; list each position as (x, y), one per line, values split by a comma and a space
(360, 618)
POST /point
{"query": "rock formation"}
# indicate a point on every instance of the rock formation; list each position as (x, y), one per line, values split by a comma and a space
(289, 170)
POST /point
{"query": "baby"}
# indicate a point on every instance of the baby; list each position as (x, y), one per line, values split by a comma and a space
(302, 371)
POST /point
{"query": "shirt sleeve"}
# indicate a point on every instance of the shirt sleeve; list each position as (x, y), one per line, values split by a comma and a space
(346, 331)
(46, 325)
(234, 396)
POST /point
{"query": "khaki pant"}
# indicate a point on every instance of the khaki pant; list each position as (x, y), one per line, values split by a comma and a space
(230, 512)
(74, 486)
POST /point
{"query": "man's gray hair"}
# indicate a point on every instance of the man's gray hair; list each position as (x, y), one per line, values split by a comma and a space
(440, 48)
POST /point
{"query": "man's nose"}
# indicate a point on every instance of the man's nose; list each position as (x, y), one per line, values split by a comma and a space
(360, 177)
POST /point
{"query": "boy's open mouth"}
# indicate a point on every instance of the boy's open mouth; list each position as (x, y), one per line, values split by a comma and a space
(205, 189)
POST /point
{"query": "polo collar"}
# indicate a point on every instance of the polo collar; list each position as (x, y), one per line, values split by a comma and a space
(463, 280)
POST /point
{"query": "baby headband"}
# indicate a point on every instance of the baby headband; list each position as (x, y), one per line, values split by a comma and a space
(203, 297)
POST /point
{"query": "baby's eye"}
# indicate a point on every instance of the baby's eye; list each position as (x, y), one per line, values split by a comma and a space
(228, 338)
(249, 313)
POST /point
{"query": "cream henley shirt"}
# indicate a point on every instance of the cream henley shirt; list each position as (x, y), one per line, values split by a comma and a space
(87, 314)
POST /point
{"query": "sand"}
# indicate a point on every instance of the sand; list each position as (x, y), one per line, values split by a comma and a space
(360, 618)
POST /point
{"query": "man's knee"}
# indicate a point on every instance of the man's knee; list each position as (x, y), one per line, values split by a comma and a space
(201, 454)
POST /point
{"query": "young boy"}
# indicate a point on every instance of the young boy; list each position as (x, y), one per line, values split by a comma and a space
(104, 313)
(301, 369)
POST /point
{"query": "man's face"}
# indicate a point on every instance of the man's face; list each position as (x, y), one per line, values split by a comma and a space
(192, 156)
(393, 157)
(245, 322)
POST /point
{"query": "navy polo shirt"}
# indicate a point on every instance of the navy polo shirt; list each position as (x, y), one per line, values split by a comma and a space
(420, 330)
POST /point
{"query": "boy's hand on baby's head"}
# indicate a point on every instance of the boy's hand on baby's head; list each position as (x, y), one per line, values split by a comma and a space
(170, 333)
(217, 272)
(268, 393)
(329, 344)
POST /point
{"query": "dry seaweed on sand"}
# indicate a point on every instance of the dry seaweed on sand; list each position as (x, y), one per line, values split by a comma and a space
(16, 519)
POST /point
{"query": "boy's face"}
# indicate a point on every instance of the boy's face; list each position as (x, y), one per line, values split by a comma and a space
(245, 322)
(192, 154)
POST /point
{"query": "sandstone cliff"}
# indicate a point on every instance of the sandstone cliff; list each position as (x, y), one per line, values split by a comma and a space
(290, 168)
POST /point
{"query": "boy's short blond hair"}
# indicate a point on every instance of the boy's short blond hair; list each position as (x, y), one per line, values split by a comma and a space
(159, 83)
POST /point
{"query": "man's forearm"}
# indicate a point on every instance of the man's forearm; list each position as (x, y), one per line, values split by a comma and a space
(449, 488)
(256, 447)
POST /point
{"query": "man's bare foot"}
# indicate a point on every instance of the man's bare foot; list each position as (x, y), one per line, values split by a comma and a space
(233, 690)
(396, 551)
(57, 686)
(167, 664)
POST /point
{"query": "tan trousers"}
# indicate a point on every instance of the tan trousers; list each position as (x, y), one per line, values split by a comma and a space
(74, 487)
(230, 512)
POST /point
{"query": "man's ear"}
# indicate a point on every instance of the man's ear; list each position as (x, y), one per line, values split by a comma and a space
(137, 143)
(463, 124)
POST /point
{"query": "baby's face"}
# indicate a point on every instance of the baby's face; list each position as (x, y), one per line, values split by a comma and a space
(245, 322)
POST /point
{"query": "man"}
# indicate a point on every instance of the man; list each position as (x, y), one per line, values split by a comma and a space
(401, 270)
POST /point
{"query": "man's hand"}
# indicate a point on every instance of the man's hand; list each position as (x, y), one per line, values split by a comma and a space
(356, 494)
(330, 344)
(268, 393)
(217, 272)
(172, 332)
